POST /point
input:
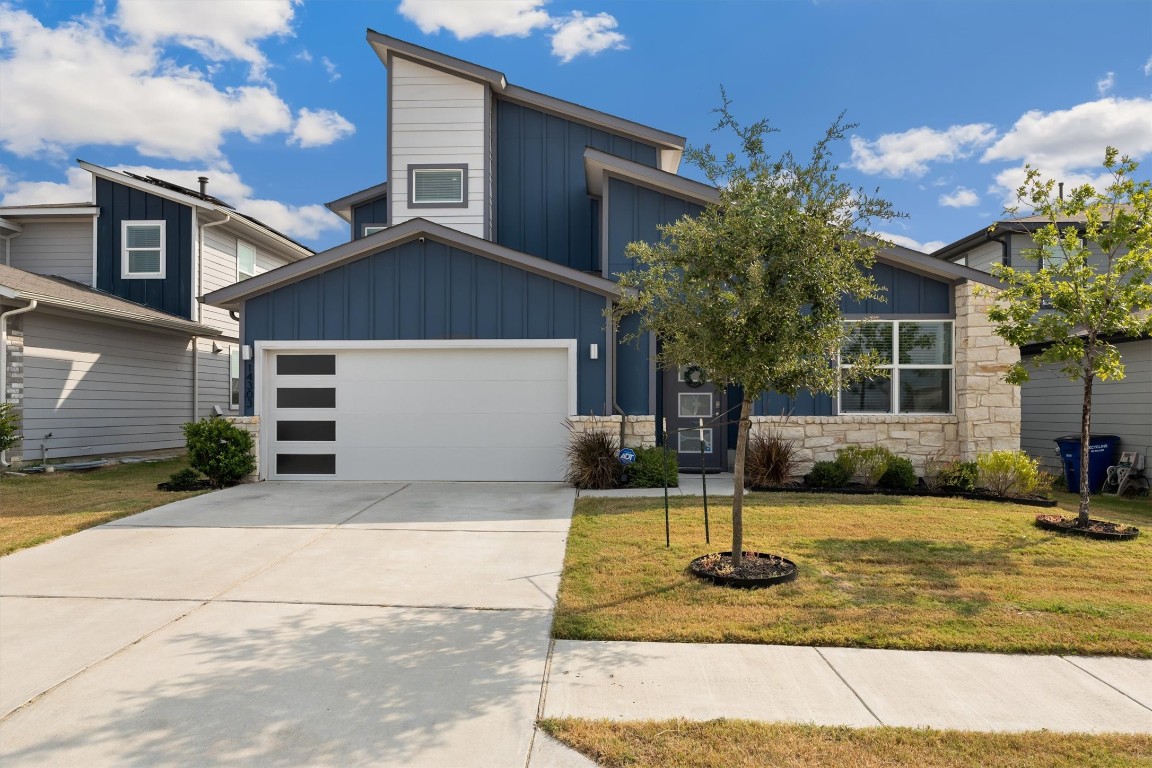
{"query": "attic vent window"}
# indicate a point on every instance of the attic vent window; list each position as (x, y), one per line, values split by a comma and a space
(142, 256)
(443, 186)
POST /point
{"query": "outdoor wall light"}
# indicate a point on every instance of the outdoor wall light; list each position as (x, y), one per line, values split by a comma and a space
(594, 351)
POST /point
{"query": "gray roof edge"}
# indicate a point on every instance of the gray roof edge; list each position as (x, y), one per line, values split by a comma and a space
(411, 50)
(232, 295)
(927, 263)
(595, 117)
(647, 175)
(368, 193)
(125, 313)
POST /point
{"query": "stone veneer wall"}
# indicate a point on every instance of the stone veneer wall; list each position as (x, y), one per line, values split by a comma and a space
(986, 409)
(639, 431)
(14, 381)
(249, 424)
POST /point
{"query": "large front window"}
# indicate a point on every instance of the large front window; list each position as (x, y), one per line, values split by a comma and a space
(916, 354)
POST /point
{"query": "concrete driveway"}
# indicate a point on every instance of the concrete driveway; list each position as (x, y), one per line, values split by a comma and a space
(319, 624)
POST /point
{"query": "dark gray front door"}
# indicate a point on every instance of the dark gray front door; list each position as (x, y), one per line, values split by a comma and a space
(688, 398)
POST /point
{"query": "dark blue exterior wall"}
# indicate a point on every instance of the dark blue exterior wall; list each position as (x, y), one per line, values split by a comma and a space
(371, 212)
(432, 291)
(542, 203)
(634, 214)
(119, 203)
(906, 293)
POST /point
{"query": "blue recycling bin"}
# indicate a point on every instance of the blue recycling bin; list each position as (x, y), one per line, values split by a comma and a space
(1101, 451)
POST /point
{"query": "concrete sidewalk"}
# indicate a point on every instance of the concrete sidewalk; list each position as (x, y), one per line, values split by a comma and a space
(849, 686)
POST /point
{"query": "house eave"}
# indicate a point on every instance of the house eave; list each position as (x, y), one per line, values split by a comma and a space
(122, 315)
(598, 165)
(343, 206)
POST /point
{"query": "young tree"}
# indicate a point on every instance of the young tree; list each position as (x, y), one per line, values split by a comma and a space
(750, 290)
(1092, 282)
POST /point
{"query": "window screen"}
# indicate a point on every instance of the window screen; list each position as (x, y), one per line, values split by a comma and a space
(437, 185)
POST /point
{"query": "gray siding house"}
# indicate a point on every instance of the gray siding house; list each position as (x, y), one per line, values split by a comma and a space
(107, 348)
(1051, 403)
(464, 323)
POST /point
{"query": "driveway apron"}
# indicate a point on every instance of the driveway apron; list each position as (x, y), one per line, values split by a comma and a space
(318, 624)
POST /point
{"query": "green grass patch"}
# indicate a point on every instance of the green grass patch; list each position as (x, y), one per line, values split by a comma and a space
(39, 508)
(744, 744)
(875, 572)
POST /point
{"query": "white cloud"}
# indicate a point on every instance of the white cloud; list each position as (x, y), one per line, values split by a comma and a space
(910, 152)
(305, 222)
(473, 18)
(1075, 138)
(304, 55)
(916, 245)
(572, 35)
(330, 68)
(1148, 67)
(1104, 85)
(77, 188)
(320, 127)
(578, 34)
(219, 31)
(961, 197)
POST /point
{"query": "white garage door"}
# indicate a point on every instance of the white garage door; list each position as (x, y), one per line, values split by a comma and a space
(481, 411)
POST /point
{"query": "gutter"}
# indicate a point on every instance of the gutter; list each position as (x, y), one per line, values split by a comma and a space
(4, 358)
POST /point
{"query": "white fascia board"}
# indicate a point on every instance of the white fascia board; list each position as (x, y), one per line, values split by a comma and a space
(79, 210)
(143, 186)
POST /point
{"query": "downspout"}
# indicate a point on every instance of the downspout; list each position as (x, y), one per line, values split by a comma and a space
(200, 306)
(4, 358)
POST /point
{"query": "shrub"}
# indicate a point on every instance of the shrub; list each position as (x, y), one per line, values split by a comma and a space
(952, 477)
(220, 451)
(866, 465)
(9, 426)
(770, 461)
(592, 461)
(827, 474)
(652, 471)
(900, 475)
(186, 479)
(1007, 472)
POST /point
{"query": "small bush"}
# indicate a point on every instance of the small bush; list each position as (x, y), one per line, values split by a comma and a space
(900, 475)
(220, 451)
(770, 461)
(865, 465)
(828, 474)
(186, 479)
(952, 477)
(9, 426)
(592, 461)
(651, 470)
(1007, 472)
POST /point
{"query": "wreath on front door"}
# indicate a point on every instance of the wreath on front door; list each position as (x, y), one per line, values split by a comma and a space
(694, 376)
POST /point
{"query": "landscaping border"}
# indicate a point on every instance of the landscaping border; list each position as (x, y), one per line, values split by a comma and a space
(858, 491)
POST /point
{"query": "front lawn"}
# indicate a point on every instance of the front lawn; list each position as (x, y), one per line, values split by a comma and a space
(875, 572)
(744, 744)
(37, 508)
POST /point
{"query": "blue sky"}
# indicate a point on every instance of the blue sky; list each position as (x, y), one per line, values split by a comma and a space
(282, 103)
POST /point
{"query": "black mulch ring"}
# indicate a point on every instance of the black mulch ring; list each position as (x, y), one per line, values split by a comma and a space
(200, 485)
(757, 569)
(1096, 529)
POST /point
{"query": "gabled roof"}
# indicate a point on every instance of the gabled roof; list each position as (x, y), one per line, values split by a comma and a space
(670, 142)
(343, 207)
(192, 198)
(598, 165)
(59, 293)
(232, 296)
(1021, 225)
(929, 265)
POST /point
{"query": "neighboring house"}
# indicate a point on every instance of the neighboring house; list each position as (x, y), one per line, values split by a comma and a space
(107, 348)
(465, 320)
(1050, 402)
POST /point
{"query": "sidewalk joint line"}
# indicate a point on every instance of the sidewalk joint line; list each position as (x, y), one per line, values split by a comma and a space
(849, 686)
(1097, 677)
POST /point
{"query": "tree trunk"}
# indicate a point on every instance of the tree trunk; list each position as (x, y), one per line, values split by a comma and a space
(1085, 429)
(738, 481)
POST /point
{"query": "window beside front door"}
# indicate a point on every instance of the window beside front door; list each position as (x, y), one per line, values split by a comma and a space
(917, 354)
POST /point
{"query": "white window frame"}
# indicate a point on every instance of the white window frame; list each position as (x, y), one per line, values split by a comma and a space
(241, 274)
(895, 367)
(235, 367)
(371, 229)
(125, 250)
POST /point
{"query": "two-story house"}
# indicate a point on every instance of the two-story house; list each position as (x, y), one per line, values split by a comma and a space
(107, 347)
(1050, 402)
(465, 320)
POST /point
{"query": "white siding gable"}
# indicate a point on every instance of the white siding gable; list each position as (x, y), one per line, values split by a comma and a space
(437, 118)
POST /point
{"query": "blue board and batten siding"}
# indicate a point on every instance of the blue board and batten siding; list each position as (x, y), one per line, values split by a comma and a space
(907, 294)
(119, 203)
(432, 291)
(542, 202)
(371, 212)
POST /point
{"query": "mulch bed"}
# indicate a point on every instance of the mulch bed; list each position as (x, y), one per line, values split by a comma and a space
(201, 485)
(757, 569)
(860, 490)
(1096, 529)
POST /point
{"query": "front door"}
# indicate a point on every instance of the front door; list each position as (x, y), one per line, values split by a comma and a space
(689, 398)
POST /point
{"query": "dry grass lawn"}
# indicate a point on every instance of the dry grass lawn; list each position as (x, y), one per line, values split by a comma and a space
(875, 572)
(743, 744)
(38, 508)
